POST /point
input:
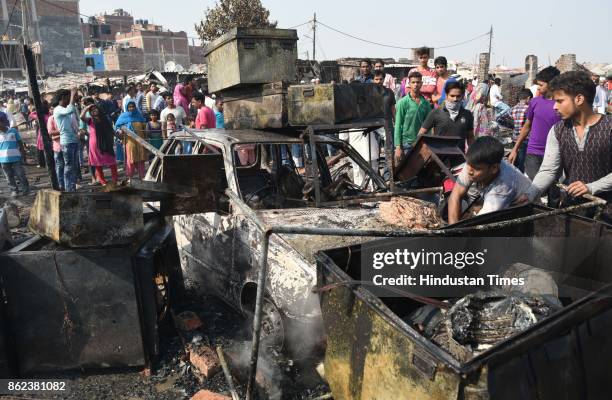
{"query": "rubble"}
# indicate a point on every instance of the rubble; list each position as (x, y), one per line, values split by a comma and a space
(11, 211)
(410, 213)
(478, 321)
(204, 359)
(187, 321)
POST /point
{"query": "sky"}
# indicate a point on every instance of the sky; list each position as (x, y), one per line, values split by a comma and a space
(545, 28)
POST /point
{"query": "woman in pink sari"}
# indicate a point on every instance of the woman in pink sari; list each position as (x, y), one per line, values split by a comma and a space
(101, 143)
(183, 92)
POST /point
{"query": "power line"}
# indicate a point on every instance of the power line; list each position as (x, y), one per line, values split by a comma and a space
(302, 24)
(394, 46)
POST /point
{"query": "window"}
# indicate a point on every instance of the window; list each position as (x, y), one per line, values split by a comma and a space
(105, 29)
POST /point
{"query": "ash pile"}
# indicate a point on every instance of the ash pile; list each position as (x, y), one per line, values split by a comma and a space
(479, 321)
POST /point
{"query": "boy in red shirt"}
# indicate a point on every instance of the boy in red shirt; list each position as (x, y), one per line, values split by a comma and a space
(206, 116)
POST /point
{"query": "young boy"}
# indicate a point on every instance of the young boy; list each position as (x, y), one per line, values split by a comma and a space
(411, 112)
(580, 146)
(518, 116)
(11, 151)
(499, 183)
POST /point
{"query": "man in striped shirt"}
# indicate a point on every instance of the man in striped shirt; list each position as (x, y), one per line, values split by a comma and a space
(11, 149)
(518, 116)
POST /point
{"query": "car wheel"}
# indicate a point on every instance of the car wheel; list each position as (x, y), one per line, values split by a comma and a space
(272, 327)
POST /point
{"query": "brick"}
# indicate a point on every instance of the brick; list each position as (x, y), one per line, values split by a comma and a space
(187, 321)
(204, 360)
(208, 395)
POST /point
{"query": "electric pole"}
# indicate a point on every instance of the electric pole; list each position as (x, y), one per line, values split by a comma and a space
(314, 37)
(490, 40)
(24, 23)
(30, 69)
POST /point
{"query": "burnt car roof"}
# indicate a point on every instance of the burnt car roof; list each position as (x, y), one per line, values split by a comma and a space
(248, 136)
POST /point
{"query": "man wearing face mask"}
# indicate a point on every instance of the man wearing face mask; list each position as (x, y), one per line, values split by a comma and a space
(451, 119)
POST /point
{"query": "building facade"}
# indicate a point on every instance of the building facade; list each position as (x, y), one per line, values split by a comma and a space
(158, 46)
(54, 31)
(100, 30)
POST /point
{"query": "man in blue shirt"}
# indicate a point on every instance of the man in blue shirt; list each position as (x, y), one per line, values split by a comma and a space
(11, 149)
(65, 118)
(219, 113)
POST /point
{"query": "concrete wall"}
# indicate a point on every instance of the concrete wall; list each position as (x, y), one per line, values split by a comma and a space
(483, 66)
(567, 62)
(531, 68)
(62, 44)
(124, 59)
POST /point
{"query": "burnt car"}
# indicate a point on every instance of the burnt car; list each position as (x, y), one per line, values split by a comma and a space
(219, 250)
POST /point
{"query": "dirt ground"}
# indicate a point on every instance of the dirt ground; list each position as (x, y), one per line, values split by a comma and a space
(172, 376)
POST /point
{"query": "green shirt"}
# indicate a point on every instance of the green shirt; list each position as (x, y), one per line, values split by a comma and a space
(409, 118)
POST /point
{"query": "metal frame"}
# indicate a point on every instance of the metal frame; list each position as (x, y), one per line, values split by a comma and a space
(268, 230)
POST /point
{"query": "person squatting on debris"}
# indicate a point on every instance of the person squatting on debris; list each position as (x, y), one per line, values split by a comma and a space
(101, 143)
(518, 118)
(580, 145)
(135, 154)
(412, 110)
(64, 115)
(12, 153)
(498, 182)
(452, 119)
(540, 117)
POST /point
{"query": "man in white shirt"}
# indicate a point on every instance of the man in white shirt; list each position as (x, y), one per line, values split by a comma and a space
(495, 98)
(177, 111)
(601, 97)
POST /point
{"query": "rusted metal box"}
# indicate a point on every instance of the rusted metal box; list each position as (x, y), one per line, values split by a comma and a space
(374, 351)
(328, 104)
(256, 107)
(251, 56)
(87, 219)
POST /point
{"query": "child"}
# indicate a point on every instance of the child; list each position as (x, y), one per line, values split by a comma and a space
(154, 129)
(498, 182)
(518, 116)
(11, 152)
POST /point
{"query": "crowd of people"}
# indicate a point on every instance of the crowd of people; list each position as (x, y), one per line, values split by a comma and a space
(87, 131)
(561, 132)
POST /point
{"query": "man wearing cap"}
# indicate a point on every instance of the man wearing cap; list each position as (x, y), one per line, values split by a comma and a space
(601, 95)
(11, 151)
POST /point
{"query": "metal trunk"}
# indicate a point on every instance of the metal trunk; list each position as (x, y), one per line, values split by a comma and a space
(251, 56)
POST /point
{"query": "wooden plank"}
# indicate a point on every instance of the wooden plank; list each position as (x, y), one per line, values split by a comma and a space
(143, 142)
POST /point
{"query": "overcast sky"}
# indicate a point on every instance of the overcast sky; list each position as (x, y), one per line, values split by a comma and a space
(545, 28)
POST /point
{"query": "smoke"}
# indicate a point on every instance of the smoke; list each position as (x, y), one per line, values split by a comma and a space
(269, 375)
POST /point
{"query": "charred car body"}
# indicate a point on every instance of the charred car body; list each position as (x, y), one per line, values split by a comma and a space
(219, 251)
